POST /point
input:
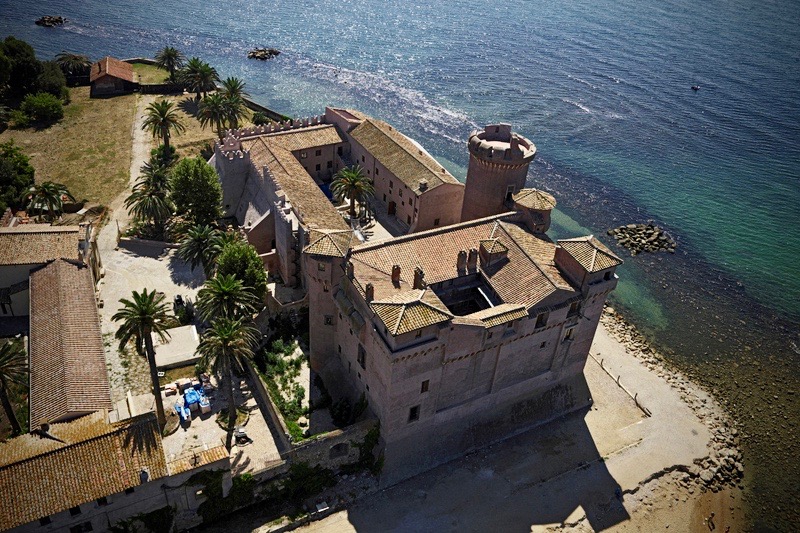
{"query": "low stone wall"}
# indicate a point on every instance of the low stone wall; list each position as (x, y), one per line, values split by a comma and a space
(282, 439)
(333, 449)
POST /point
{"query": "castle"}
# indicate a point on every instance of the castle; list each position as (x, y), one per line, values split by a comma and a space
(469, 325)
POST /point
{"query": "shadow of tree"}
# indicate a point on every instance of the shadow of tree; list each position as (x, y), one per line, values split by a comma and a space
(190, 106)
(181, 273)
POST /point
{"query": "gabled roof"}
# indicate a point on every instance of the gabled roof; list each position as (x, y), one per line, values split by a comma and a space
(329, 243)
(68, 373)
(400, 155)
(410, 310)
(41, 476)
(493, 246)
(109, 66)
(500, 314)
(33, 244)
(590, 253)
(535, 199)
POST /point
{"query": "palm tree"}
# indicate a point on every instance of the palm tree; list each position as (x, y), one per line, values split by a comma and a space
(155, 175)
(198, 248)
(199, 77)
(235, 110)
(226, 297)
(73, 64)
(233, 87)
(161, 119)
(350, 182)
(149, 205)
(46, 196)
(170, 59)
(13, 369)
(213, 110)
(224, 348)
(143, 316)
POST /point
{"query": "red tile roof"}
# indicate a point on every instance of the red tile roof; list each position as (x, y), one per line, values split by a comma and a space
(108, 66)
(31, 244)
(68, 373)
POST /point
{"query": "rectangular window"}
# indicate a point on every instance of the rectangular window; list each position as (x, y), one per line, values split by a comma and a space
(569, 334)
(319, 153)
(321, 266)
(489, 335)
(573, 309)
(408, 219)
(425, 385)
(436, 222)
(328, 320)
(75, 511)
(339, 150)
(362, 357)
(418, 334)
(384, 197)
(543, 345)
(400, 192)
(340, 348)
(325, 287)
(102, 501)
(509, 192)
(413, 414)
(318, 167)
(362, 159)
(303, 155)
(330, 164)
(376, 171)
(541, 320)
(607, 276)
(391, 184)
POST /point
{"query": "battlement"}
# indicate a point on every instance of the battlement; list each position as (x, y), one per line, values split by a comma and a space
(497, 144)
(275, 127)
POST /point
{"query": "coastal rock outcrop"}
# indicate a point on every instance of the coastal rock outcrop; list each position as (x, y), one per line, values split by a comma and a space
(49, 21)
(263, 53)
(643, 238)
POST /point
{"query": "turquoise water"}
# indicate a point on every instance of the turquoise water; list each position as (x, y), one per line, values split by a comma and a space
(604, 90)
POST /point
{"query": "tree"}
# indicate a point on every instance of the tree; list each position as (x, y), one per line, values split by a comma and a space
(226, 297)
(5, 69)
(47, 196)
(235, 110)
(196, 191)
(351, 183)
(161, 119)
(25, 68)
(225, 347)
(16, 174)
(199, 77)
(51, 80)
(212, 110)
(73, 64)
(239, 259)
(149, 201)
(145, 315)
(198, 248)
(171, 60)
(233, 87)
(13, 369)
(42, 108)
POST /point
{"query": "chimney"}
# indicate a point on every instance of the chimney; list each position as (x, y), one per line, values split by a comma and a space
(396, 274)
(419, 278)
(472, 260)
(461, 263)
(370, 292)
(423, 184)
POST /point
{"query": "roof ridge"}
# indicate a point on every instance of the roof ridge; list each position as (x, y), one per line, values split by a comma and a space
(414, 155)
(531, 259)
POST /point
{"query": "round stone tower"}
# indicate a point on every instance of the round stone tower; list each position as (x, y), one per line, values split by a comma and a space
(498, 167)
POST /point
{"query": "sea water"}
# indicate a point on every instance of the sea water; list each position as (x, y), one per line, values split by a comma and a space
(604, 89)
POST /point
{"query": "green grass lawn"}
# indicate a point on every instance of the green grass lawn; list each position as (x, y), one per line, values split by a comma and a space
(150, 73)
(89, 150)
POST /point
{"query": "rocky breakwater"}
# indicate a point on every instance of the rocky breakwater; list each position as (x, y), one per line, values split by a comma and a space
(643, 238)
(49, 21)
(723, 466)
(263, 53)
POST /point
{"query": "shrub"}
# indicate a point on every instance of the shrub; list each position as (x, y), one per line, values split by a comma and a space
(340, 412)
(260, 118)
(157, 156)
(16, 174)
(19, 119)
(51, 80)
(43, 108)
(239, 259)
(24, 67)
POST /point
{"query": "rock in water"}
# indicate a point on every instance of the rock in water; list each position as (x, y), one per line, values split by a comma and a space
(263, 53)
(49, 21)
(643, 238)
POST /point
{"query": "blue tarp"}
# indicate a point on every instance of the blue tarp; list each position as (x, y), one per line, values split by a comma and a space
(191, 396)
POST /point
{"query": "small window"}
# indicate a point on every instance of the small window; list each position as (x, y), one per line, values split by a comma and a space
(436, 222)
(413, 414)
(568, 336)
(418, 334)
(330, 164)
(573, 309)
(325, 287)
(45, 520)
(362, 357)
(340, 348)
(303, 155)
(543, 345)
(400, 192)
(607, 276)
(408, 219)
(489, 335)
(391, 184)
(75, 511)
(497, 129)
(541, 320)
(318, 153)
(425, 386)
(321, 266)
(318, 167)
(411, 201)
(362, 159)
(384, 197)
(328, 320)
(102, 501)
(339, 150)
(376, 171)
(129, 491)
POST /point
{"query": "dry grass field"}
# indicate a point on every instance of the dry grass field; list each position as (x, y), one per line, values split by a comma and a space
(89, 150)
(150, 73)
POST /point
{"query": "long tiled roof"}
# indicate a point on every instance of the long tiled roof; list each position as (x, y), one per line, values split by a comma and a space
(67, 360)
(535, 199)
(528, 277)
(411, 310)
(41, 476)
(590, 253)
(402, 157)
(112, 67)
(32, 244)
(500, 314)
(305, 138)
(329, 243)
(300, 188)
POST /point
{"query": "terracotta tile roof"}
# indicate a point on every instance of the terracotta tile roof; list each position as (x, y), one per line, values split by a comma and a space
(68, 373)
(305, 138)
(329, 243)
(590, 253)
(500, 314)
(40, 476)
(411, 310)
(197, 459)
(527, 278)
(535, 199)
(111, 67)
(306, 197)
(32, 244)
(400, 155)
